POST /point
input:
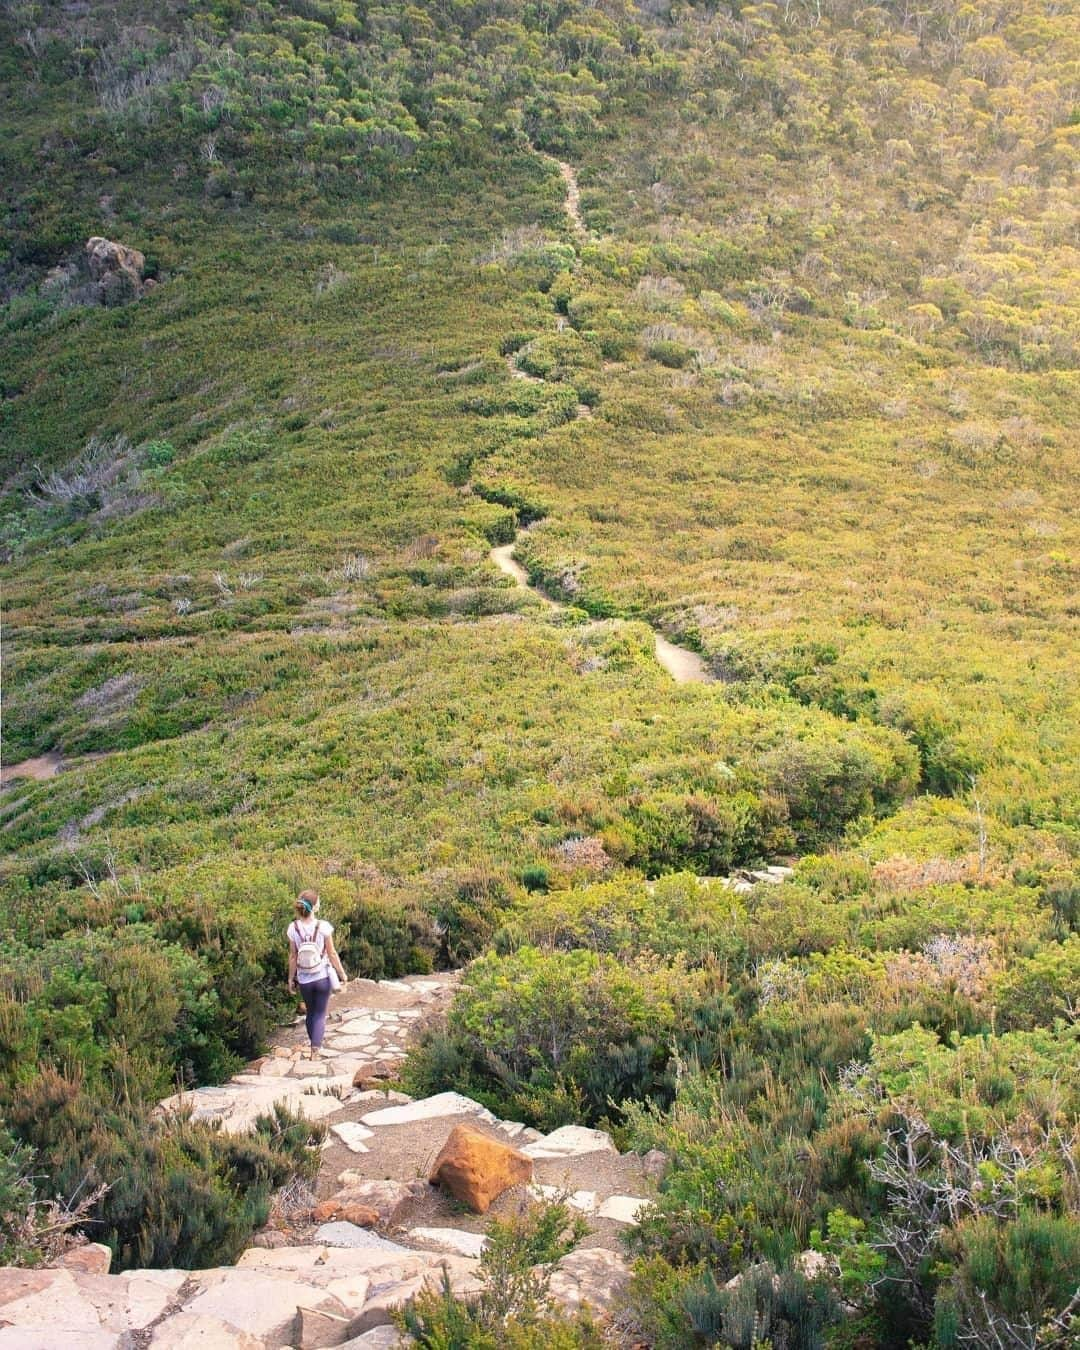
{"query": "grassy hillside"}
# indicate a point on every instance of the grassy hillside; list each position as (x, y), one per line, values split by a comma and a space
(800, 390)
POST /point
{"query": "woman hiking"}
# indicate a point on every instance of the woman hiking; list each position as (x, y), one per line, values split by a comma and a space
(313, 965)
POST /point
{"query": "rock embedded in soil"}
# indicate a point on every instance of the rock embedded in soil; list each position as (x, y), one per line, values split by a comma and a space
(654, 1164)
(476, 1169)
(387, 1198)
(450, 1240)
(378, 1309)
(363, 1216)
(93, 1258)
(622, 1208)
(370, 1075)
(260, 1302)
(570, 1141)
(593, 1275)
(316, 1330)
(429, 1108)
(584, 1201)
(190, 1331)
(378, 1338)
(353, 1135)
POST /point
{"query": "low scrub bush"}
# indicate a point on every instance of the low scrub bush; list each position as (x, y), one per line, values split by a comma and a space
(679, 914)
(170, 1194)
(554, 1037)
(511, 1311)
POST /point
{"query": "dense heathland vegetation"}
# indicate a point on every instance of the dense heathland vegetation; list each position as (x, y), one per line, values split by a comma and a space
(822, 311)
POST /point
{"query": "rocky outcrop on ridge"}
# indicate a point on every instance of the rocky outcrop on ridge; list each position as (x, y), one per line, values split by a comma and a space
(105, 273)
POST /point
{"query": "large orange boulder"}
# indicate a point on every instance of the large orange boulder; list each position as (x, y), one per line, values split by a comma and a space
(476, 1169)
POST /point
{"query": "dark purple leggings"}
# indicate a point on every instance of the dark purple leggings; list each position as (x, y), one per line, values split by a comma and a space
(316, 996)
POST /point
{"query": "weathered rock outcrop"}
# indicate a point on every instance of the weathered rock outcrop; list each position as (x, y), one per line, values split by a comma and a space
(590, 1275)
(105, 273)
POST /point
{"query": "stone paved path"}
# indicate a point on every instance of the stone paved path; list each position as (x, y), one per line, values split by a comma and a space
(378, 1152)
(368, 1031)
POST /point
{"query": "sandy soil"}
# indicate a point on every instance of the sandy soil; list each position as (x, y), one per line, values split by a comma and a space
(39, 768)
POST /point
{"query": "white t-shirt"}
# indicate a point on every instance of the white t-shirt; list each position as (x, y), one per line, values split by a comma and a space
(317, 931)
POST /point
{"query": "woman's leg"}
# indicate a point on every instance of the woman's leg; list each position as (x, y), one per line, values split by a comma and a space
(316, 996)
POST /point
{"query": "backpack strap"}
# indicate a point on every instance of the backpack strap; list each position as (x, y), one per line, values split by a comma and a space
(318, 933)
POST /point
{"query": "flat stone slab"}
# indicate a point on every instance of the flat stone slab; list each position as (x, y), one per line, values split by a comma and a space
(429, 1108)
(352, 1134)
(378, 1338)
(259, 1302)
(341, 1234)
(594, 1276)
(570, 1141)
(622, 1208)
(323, 1265)
(184, 1331)
(65, 1304)
(384, 1095)
(276, 1067)
(584, 1201)
(239, 1103)
(50, 1338)
(450, 1240)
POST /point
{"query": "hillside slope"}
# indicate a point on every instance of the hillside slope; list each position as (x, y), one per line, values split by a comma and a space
(754, 326)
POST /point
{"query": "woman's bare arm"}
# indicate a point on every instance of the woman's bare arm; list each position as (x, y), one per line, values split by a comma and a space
(292, 967)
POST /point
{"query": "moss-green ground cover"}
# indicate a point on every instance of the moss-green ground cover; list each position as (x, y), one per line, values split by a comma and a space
(803, 397)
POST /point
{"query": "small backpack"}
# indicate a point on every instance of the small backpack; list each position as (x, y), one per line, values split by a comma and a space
(309, 951)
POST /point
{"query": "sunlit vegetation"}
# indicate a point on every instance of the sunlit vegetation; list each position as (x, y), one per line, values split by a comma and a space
(800, 393)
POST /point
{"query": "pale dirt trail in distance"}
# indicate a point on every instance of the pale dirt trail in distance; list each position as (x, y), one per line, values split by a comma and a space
(573, 197)
(683, 665)
(39, 768)
(503, 558)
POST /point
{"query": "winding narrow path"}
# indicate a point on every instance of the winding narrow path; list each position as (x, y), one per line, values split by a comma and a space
(683, 665)
(573, 197)
(38, 769)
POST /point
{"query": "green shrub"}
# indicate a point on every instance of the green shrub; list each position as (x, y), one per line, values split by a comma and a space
(548, 1036)
(466, 916)
(680, 914)
(513, 342)
(1035, 991)
(20, 1235)
(381, 940)
(675, 355)
(509, 1312)
(176, 1193)
(536, 877)
(1019, 1275)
